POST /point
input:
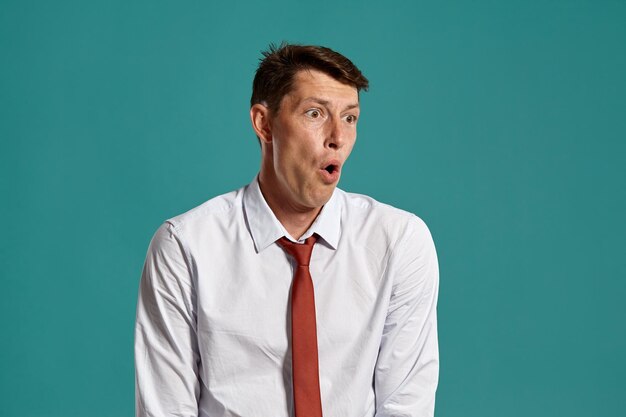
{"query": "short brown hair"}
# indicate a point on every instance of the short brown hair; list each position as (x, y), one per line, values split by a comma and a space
(279, 65)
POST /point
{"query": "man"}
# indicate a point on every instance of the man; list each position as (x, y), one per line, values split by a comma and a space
(234, 319)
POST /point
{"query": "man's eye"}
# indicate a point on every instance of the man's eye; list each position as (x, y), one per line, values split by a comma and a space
(351, 118)
(313, 113)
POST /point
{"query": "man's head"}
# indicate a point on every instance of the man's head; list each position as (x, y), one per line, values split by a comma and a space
(305, 107)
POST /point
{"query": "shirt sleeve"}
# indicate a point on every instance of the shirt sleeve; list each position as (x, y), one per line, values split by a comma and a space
(407, 369)
(166, 351)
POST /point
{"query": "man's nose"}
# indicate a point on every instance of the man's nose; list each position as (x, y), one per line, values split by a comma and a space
(336, 133)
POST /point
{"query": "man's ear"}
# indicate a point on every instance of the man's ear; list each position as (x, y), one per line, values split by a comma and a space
(260, 118)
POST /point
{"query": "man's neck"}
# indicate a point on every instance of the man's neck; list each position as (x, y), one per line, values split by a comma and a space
(296, 224)
(295, 221)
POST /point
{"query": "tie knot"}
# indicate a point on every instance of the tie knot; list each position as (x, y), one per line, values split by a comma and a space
(300, 252)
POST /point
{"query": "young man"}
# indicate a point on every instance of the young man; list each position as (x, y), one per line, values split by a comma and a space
(291, 297)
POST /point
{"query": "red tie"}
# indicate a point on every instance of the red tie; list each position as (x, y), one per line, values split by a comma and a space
(306, 379)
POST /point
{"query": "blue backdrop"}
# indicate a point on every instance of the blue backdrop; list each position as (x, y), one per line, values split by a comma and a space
(501, 124)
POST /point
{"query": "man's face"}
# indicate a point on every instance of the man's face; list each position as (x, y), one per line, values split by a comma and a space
(312, 135)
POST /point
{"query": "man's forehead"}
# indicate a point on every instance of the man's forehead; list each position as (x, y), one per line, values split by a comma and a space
(314, 85)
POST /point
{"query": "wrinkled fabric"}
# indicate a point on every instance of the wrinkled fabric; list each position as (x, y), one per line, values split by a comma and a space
(213, 325)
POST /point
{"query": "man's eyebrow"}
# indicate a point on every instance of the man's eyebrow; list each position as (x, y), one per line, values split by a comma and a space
(326, 102)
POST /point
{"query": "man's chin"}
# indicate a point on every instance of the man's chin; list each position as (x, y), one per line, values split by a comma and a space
(320, 199)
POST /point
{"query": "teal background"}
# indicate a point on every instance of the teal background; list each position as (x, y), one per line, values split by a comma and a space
(502, 124)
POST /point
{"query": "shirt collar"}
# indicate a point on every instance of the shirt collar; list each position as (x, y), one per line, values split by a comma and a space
(265, 228)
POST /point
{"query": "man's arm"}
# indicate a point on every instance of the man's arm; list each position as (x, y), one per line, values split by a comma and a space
(166, 352)
(406, 374)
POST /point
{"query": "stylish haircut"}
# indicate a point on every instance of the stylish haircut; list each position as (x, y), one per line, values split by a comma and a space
(279, 65)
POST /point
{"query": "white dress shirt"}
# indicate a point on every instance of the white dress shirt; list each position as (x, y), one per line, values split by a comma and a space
(212, 336)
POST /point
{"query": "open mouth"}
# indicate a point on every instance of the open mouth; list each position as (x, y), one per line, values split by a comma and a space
(330, 171)
(331, 168)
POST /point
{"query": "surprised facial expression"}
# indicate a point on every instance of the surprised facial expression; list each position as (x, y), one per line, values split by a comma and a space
(311, 136)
